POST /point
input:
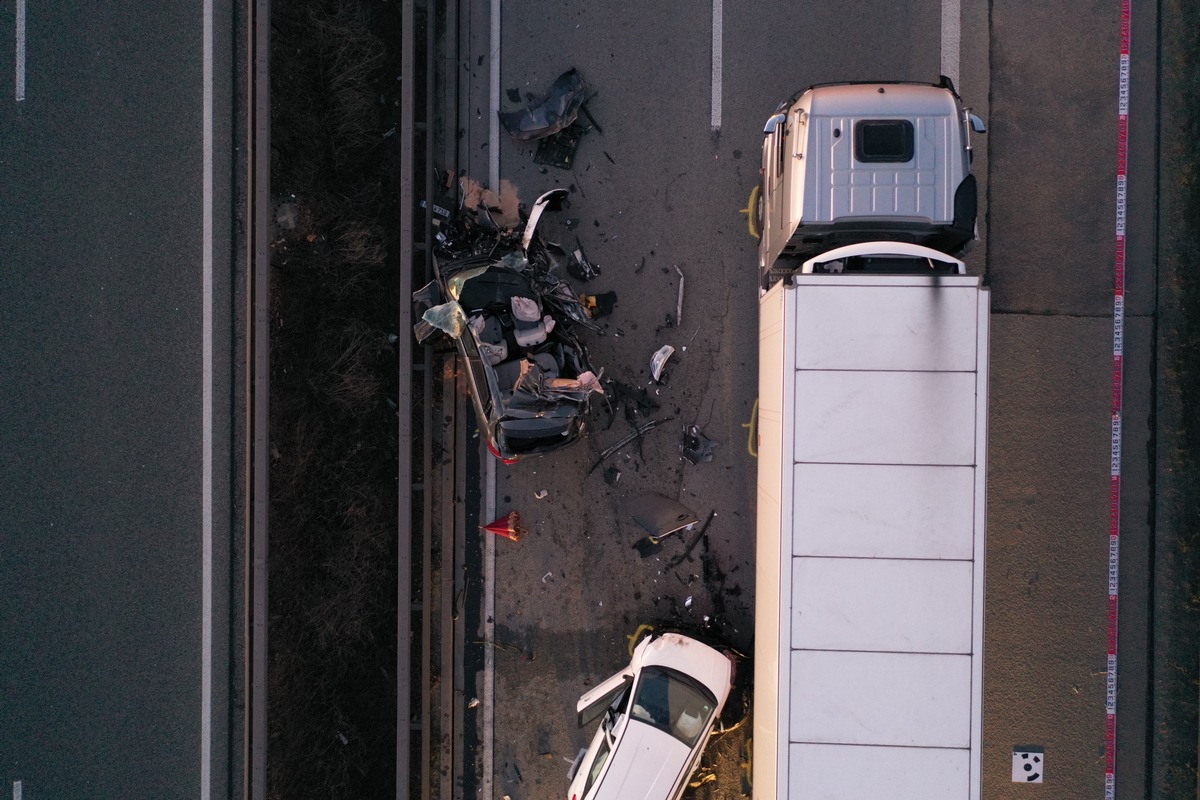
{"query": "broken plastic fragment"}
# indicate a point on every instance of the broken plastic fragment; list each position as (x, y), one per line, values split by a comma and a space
(659, 360)
(540, 495)
(448, 317)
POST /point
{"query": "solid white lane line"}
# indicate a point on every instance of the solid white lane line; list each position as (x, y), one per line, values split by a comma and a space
(489, 627)
(18, 789)
(494, 101)
(20, 59)
(489, 471)
(718, 13)
(951, 38)
(206, 502)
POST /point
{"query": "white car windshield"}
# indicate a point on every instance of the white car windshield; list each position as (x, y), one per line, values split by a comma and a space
(674, 703)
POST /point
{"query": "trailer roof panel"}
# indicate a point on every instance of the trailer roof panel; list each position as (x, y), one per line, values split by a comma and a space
(886, 327)
(884, 511)
(901, 605)
(904, 699)
(851, 417)
(841, 772)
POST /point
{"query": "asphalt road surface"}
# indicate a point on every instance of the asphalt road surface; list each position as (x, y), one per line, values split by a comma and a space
(116, 391)
(662, 186)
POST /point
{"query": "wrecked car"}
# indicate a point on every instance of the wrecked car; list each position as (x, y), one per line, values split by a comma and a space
(656, 716)
(513, 321)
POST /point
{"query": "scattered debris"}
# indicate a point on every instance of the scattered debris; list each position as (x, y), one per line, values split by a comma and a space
(649, 425)
(551, 113)
(659, 360)
(696, 446)
(474, 703)
(547, 575)
(508, 526)
(541, 495)
(612, 475)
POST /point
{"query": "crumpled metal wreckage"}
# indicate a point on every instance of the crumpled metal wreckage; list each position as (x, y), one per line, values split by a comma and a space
(513, 321)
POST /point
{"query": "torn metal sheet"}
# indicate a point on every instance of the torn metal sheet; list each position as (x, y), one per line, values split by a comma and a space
(552, 201)
(553, 112)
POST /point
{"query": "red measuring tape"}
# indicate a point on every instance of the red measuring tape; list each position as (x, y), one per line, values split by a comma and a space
(1114, 494)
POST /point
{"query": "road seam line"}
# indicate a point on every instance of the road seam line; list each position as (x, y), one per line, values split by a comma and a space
(951, 38)
(20, 50)
(717, 64)
(206, 634)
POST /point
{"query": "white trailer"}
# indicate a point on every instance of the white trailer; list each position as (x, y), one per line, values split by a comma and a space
(872, 431)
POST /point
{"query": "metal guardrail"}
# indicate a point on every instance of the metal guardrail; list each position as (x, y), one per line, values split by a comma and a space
(258, 377)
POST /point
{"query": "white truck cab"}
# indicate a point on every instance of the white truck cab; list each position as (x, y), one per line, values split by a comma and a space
(845, 163)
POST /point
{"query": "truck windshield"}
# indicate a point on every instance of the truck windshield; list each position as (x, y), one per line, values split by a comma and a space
(673, 702)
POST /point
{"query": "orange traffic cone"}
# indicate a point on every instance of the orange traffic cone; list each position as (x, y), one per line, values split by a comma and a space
(509, 527)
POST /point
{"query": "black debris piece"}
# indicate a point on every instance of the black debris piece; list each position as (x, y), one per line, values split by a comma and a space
(600, 305)
(558, 149)
(584, 110)
(579, 267)
(696, 446)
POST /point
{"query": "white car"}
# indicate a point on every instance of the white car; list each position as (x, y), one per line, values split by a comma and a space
(657, 715)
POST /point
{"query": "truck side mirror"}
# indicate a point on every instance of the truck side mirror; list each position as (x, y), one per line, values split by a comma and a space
(773, 123)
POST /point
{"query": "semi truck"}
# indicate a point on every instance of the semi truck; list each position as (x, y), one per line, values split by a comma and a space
(872, 462)
(845, 163)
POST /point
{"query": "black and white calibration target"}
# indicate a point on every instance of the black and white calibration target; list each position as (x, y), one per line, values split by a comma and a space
(1029, 763)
